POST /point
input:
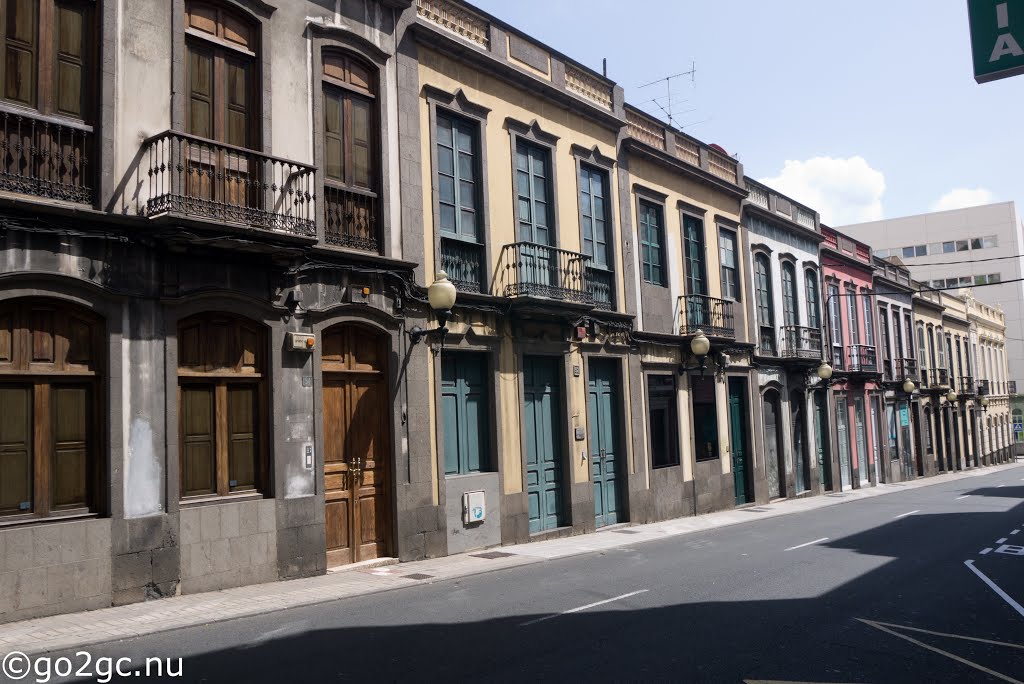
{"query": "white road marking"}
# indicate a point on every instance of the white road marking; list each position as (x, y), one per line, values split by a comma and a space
(955, 657)
(903, 515)
(951, 636)
(963, 497)
(1015, 532)
(998, 486)
(586, 607)
(1001, 541)
(800, 546)
(987, 549)
(995, 587)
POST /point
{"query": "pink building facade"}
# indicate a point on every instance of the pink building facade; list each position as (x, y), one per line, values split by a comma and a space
(852, 333)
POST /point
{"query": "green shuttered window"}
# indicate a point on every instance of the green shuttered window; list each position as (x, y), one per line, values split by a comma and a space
(464, 410)
(652, 240)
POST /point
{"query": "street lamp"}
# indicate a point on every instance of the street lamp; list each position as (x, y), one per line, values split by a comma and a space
(700, 345)
(441, 296)
(824, 371)
(984, 404)
(952, 396)
(909, 386)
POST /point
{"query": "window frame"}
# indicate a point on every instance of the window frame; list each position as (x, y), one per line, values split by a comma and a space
(533, 135)
(595, 162)
(643, 240)
(46, 59)
(729, 275)
(688, 220)
(790, 310)
(812, 293)
(764, 303)
(41, 378)
(670, 397)
(222, 380)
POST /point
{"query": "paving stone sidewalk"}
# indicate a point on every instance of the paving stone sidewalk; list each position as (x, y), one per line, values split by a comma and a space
(61, 632)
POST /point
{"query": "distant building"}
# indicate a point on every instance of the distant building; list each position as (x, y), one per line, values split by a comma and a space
(938, 246)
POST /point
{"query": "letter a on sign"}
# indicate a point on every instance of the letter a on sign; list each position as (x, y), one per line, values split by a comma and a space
(997, 31)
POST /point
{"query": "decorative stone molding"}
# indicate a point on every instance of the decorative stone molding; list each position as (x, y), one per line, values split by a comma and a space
(451, 17)
(587, 86)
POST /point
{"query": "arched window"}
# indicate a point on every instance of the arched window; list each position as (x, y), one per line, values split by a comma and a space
(221, 405)
(813, 298)
(51, 367)
(222, 83)
(350, 151)
(763, 301)
(790, 308)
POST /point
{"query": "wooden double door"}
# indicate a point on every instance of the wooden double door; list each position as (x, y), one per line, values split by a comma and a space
(357, 444)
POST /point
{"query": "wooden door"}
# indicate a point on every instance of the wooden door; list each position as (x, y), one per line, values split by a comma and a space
(542, 407)
(862, 438)
(738, 439)
(821, 441)
(843, 439)
(604, 442)
(801, 467)
(357, 445)
(776, 488)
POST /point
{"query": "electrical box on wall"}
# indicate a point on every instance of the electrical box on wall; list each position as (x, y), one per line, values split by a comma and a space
(474, 507)
(300, 341)
(358, 294)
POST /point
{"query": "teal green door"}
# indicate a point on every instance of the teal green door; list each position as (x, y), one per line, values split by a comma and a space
(542, 403)
(604, 441)
(738, 439)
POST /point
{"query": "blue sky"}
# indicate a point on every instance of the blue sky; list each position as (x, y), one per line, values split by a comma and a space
(863, 109)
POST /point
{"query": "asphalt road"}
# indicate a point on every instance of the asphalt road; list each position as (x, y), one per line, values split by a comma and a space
(884, 594)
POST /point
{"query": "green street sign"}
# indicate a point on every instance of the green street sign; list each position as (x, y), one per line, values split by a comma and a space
(997, 37)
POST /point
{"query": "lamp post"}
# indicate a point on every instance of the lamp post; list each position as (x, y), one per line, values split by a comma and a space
(984, 404)
(824, 371)
(441, 296)
(951, 396)
(909, 386)
(700, 345)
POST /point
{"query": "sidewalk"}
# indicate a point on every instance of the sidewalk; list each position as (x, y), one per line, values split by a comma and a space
(59, 632)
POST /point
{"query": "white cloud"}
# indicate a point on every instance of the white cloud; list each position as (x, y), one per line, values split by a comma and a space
(959, 198)
(842, 190)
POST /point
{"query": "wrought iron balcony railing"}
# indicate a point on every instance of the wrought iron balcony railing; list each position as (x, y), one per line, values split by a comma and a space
(862, 357)
(801, 342)
(45, 157)
(193, 177)
(712, 315)
(940, 377)
(602, 282)
(528, 269)
(984, 388)
(966, 385)
(350, 218)
(463, 261)
(838, 358)
(766, 343)
(906, 368)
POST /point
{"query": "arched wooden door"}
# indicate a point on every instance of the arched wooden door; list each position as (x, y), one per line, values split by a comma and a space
(773, 450)
(357, 444)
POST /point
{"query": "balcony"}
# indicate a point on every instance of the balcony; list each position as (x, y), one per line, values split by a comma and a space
(602, 282)
(709, 314)
(45, 157)
(528, 269)
(801, 342)
(861, 358)
(838, 358)
(940, 377)
(906, 368)
(463, 261)
(195, 178)
(350, 218)
(966, 385)
(984, 388)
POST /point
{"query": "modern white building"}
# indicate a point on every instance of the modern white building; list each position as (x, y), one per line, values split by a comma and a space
(980, 247)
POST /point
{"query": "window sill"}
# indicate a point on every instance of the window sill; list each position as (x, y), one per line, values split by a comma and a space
(478, 473)
(34, 519)
(667, 465)
(196, 501)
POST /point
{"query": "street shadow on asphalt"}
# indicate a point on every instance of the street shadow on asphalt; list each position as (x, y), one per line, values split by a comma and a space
(814, 638)
(1002, 492)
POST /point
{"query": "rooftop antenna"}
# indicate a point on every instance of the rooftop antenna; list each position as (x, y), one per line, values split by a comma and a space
(692, 73)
